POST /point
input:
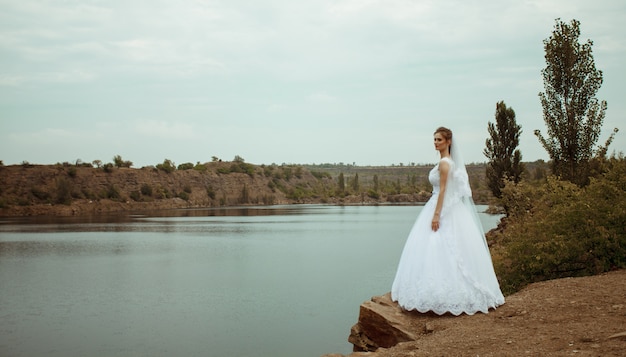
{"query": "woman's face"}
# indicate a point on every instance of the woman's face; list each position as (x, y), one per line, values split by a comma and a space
(440, 142)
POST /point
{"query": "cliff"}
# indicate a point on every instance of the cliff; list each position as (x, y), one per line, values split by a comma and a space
(65, 189)
(574, 316)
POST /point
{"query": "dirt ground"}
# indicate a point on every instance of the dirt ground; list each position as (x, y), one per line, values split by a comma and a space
(566, 317)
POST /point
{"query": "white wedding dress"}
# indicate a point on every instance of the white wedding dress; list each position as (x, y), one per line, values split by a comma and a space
(449, 270)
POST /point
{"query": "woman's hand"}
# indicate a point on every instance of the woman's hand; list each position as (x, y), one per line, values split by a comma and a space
(435, 223)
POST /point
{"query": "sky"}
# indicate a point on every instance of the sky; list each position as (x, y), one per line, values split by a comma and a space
(299, 82)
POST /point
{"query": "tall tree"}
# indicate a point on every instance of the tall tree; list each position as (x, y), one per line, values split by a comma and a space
(572, 113)
(505, 161)
(341, 183)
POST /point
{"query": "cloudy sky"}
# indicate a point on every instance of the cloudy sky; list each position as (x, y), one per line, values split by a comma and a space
(307, 81)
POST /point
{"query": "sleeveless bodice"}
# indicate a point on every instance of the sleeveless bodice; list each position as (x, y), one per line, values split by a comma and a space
(434, 175)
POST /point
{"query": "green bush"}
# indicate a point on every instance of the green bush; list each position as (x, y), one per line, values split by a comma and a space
(558, 230)
(146, 190)
(267, 170)
(119, 162)
(89, 194)
(135, 195)
(321, 175)
(373, 194)
(241, 167)
(186, 166)
(71, 171)
(210, 192)
(64, 191)
(167, 166)
(113, 193)
(200, 167)
(162, 193)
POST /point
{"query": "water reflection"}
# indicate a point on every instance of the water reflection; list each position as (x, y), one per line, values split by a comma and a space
(123, 222)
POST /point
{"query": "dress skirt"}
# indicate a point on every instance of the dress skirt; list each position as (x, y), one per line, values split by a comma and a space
(449, 270)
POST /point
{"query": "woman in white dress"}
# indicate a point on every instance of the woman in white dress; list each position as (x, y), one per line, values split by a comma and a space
(446, 265)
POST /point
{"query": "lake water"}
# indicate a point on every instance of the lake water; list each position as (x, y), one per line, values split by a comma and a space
(256, 281)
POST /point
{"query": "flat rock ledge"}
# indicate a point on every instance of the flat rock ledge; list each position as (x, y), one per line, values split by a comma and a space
(583, 316)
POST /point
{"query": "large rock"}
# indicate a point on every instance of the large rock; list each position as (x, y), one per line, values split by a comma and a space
(382, 323)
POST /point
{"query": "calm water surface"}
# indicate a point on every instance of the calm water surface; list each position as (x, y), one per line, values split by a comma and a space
(260, 281)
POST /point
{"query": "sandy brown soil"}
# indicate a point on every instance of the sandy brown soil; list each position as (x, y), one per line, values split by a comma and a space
(565, 317)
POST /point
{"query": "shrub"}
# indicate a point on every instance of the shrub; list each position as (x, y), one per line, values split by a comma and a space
(200, 167)
(167, 166)
(268, 199)
(89, 194)
(40, 194)
(288, 173)
(321, 175)
(119, 162)
(135, 195)
(210, 192)
(186, 166)
(71, 171)
(267, 171)
(113, 192)
(242, 167)
(561, 230)
(299, 172)
(245, 195)
(146, 190)
(162, 192)
(64, 191)
(373, 194)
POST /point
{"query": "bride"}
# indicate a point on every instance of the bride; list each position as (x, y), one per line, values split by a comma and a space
(446, 265)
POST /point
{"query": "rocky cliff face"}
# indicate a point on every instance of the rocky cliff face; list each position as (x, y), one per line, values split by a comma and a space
(573, 316)
(74, 190)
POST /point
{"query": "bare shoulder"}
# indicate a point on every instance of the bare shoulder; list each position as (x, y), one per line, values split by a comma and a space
(444, 164)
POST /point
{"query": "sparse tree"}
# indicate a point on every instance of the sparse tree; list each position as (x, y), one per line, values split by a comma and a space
(505, 160)
(342, 183)
(355, 183)
(571, 111)
(245, 194)
(119, 162)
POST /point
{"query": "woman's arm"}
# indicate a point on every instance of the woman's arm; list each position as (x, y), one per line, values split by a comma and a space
(444, 168)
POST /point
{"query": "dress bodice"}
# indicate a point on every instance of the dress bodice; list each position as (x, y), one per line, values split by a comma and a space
(434, 175)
